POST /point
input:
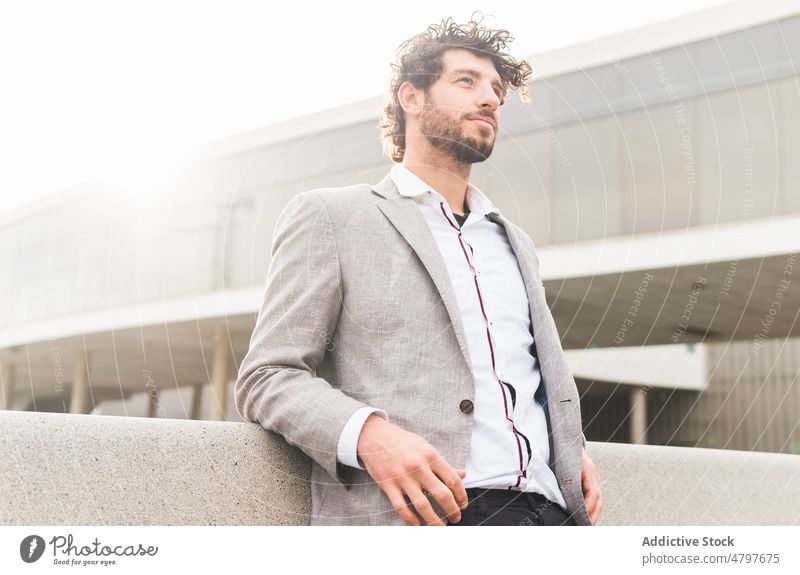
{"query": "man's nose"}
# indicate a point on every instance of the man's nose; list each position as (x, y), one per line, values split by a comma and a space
(488, 99)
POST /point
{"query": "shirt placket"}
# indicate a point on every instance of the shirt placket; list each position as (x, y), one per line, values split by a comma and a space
(506, 389)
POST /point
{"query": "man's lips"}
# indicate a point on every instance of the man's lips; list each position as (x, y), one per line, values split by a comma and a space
(485, 119)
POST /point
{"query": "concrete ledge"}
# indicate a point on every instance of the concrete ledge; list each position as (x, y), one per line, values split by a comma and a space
(657, 485)
(105, 470)
(101, 470)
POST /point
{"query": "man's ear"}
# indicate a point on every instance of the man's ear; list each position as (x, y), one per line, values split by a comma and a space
(411, 98)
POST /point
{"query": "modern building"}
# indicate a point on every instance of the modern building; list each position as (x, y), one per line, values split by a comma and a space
(654, 171)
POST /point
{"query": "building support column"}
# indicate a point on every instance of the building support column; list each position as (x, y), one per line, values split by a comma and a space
(6, 385)
(638, 419)
(151, 405)
(197, 401)
(219, 376)
(80, 400)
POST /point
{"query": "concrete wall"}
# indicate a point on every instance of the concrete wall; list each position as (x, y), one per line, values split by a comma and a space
(101, 470)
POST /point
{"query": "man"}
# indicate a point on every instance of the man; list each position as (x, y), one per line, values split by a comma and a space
(404, 342)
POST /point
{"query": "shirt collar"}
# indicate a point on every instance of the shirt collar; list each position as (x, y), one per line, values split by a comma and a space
(410, 185)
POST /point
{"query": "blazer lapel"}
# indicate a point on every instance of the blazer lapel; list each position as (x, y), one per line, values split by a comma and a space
(548, 346)
(406, 217)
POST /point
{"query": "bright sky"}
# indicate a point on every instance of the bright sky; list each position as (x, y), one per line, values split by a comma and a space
(89, 86)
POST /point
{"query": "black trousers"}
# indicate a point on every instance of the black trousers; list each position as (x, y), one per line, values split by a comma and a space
(510, 507)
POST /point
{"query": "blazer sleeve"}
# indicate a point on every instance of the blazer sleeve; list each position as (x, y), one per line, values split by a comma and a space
(277, 384)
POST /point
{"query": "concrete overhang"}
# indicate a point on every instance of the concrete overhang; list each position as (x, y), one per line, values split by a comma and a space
(660, 366)
(718, 283)
(713, 283)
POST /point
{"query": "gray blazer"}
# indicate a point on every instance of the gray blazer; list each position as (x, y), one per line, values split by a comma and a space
(359, 310)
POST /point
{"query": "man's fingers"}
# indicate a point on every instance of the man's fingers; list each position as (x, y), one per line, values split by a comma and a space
(423, 506)
(592, 496)
(403, 464)
(451, 478)
(593, 504)
(444, 497)
(595, 516)
(590, 482)
(596, 508)
(462, 499)
(440, 483)
(456, 486)
(400, 506)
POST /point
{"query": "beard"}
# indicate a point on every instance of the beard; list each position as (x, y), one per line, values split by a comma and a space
(447, 135)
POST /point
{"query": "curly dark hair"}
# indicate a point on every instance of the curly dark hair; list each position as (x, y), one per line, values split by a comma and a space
(419, 61)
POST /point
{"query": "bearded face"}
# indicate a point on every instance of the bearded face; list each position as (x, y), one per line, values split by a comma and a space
(451, 132)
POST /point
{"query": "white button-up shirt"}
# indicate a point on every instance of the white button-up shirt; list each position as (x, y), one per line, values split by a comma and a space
(509, 447)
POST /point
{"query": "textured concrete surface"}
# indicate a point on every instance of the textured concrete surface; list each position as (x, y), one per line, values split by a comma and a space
(85, 470)
(655, 485)
(89, 469)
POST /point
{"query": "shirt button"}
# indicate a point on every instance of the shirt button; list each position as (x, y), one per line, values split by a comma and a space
(466, 406)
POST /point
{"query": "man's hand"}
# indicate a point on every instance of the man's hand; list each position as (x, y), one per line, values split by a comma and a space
(590, 482)
(404, 464)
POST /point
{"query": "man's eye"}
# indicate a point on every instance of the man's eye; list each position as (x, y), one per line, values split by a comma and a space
(465, 79)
